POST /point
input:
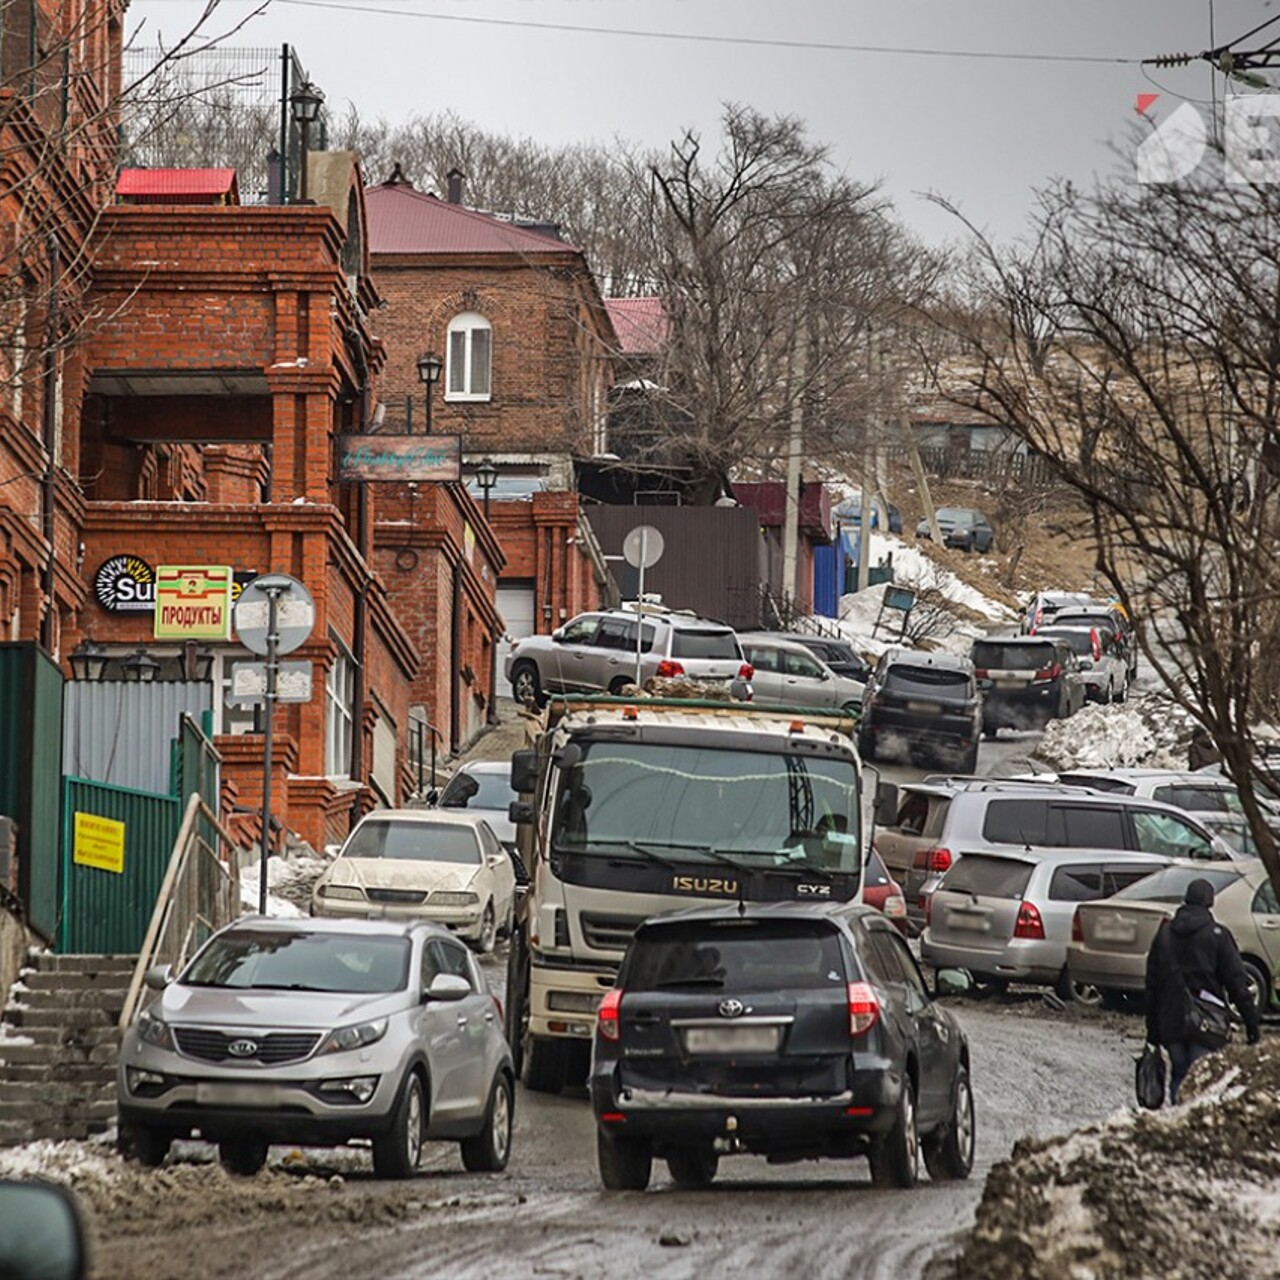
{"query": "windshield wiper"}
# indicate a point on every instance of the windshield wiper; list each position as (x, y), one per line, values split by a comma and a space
(643, 850)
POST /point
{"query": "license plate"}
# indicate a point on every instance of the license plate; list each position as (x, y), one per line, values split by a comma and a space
(1009, 684)
(210, 1093)
(928, 708)
(1115, 931)
(967, 920)
(731, 1039)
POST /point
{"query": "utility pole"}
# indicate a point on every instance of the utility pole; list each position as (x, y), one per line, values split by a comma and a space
(795, 455)
(922, 483)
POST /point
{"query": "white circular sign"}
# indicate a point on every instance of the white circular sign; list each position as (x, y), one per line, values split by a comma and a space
(295, 613)
(642, 547)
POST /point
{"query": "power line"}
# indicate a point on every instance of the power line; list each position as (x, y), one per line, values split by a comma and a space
(696, 38)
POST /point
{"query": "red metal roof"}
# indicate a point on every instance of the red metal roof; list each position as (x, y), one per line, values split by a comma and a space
(642, 324)
(198, 183)
(402, 220)
(769, 500)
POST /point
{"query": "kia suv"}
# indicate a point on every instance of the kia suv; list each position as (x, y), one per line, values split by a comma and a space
(785, 1030)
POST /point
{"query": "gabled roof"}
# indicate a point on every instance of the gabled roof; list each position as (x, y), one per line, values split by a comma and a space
(642, 324)
(199, 184)
(405, 221)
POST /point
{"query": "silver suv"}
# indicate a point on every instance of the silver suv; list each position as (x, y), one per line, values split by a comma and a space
(596, 653)
(315, 1032)
(787, 673)
(941, 818)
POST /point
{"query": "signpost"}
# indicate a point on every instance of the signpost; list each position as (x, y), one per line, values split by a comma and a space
(274, 616)
(642, 548)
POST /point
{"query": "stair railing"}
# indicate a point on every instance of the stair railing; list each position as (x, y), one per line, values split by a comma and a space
(200, 894)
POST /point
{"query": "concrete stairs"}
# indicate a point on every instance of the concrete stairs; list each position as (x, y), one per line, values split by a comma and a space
(58, 1047)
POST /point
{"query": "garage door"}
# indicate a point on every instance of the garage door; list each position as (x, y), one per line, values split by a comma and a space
(515, 604)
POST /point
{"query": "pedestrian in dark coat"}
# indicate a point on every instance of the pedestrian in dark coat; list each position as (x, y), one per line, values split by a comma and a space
(1193, 952)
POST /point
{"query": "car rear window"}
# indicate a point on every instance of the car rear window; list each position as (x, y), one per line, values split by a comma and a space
(1199, 799)
(477, 791)
(1063, 618)
(1080, 642)
(931, 681)
(1013, 656)
(1076, 884)
(1017, 822)
(989, 877)
(734, 955)
(1170, 884)
(704, 643)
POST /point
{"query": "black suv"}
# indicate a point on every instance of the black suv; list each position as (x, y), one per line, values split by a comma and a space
(925, 703)
(788, 1030)
(1026, 681)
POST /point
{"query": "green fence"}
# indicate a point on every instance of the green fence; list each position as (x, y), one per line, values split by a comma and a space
(112, 867)
(30, 774)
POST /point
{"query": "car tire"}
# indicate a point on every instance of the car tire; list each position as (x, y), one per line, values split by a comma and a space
(866, 746)
(243, 1155)
(618, 683)
(526, 687)
(969, 761)
(895, 1156)
(948, 1152)
(693, 1168)
(397, 1153)
(547, 1064)
(490, 1149)
(626, 1164)
(989, 731)
(516, 1021)
(1072, 992)
(487, 938)
(143, 1144)
(1258, 984)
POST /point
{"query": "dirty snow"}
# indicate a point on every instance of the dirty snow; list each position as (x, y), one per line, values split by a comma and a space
(289, 884)
(913, 566)
(1147, 731)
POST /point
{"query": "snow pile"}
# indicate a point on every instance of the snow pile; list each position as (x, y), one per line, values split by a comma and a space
(1190, 1191)
(1148, 731)
(289, 884)
(915, 567)
(73, 1164)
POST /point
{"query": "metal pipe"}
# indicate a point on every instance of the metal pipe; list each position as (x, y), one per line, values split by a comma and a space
(273, 670)
(49, 415)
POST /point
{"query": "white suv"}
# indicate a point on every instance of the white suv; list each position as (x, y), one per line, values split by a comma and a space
(596, 653)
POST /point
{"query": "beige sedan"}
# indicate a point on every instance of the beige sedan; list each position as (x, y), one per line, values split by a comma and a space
(1110, 938)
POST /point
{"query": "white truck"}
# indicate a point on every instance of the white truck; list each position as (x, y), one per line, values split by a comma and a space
(633, 808)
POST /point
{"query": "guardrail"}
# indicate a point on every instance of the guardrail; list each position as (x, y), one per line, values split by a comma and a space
(199, 894)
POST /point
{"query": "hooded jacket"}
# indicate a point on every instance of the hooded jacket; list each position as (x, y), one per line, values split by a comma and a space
(1193, 951)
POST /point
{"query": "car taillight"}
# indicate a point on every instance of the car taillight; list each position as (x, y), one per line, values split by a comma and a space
(608, 1021)
(746, 671)
(940, 861)
(1096, 645)
(864, 1008)
(980, 673)
(667, 667)
(1029, 923)
(1077, 929)
(1048, 673)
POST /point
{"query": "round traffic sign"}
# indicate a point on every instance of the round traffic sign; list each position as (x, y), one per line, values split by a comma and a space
(295, 613)
(642, 547)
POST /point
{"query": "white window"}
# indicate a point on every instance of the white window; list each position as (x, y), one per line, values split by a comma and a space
(340, 692)
(467, 375)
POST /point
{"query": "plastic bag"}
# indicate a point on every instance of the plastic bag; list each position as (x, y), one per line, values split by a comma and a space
(1149, 1078)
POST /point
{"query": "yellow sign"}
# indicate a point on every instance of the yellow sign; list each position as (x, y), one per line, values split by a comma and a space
(98, 842)
(193, 602)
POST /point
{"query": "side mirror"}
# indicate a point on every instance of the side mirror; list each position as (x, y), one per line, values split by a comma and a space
(567, 756)
(952, 982)
(524, 772)
(558, 635)
(41, 1236)
(520, 811)
(448, 987)
(886, 804)
(332, 850)
(158, 977)
(433, 797)
(496, 859)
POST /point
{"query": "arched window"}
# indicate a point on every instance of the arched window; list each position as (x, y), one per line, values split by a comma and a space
(467, 376)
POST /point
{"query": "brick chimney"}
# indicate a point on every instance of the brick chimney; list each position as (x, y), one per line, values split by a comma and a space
(456, 178)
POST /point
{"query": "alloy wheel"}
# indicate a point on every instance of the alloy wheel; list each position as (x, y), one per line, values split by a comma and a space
(413, 1127)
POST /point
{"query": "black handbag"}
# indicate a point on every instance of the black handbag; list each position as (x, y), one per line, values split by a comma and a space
(1208, 1022)
(1149, 1078)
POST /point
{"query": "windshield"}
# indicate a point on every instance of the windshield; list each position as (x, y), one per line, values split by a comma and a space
(1170, 885)
(753, 806)
(1081, 642)
(704, 644)
(955, 515)
(478, 791)
(1012, 656)
(295, 961)
(414, 841)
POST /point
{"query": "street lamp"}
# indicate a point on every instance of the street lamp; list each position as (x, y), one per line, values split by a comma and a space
(486, 478)
(197, 662)
(304, 105)
(88, 660)
(140, 667)
(430, 367)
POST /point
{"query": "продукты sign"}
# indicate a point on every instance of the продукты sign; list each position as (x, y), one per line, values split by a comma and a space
(193, 602)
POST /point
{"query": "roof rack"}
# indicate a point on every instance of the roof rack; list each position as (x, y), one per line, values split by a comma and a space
(972, 782)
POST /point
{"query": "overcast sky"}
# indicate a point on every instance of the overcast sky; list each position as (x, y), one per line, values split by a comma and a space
(983, 133)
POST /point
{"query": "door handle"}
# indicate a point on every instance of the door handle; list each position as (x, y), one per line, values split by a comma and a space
(1269, 924)
(488, 1017)
(462, 1020)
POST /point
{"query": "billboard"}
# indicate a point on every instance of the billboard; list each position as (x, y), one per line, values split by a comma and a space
(404, 458)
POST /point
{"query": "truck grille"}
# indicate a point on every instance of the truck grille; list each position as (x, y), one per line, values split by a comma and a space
(608, 933)
(403, 897)
(271, 1050)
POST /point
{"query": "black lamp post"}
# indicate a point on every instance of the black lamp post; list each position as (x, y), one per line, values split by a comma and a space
(486, 478)
(304, 104)
(140, 667)
(430, 366)
(88, 660)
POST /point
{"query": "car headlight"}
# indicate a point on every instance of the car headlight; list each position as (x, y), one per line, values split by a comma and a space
(151, 1030)
(344, 1039)
(445, 898)
(348, 892)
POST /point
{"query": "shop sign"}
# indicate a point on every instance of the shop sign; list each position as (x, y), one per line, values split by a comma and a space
(98, 842)
(419, 459)
(125, 584)
(193, 602)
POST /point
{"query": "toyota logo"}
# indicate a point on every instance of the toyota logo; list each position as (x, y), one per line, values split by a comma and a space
(732, 1008)
(242, 1048)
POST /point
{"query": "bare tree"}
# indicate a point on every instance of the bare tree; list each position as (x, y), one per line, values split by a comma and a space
(1134, 340)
